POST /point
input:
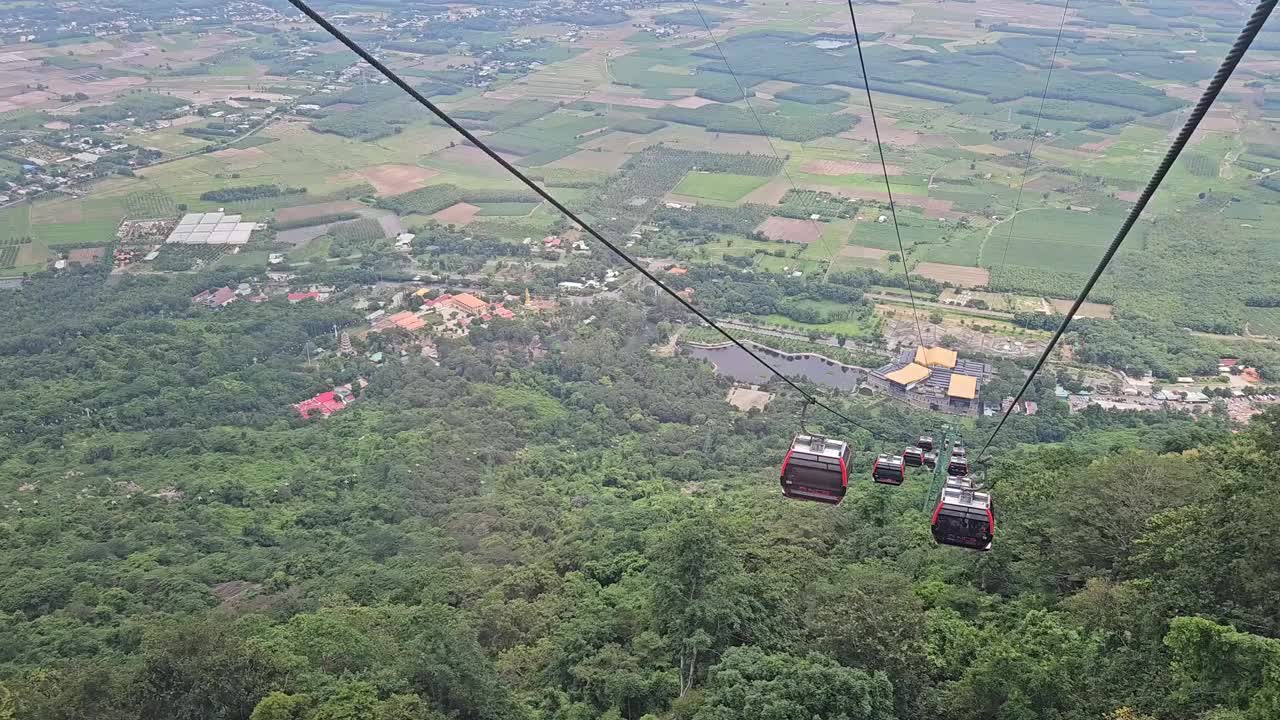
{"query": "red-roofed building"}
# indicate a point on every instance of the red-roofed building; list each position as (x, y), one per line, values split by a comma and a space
(677, 271)
(1228, 362)
(219, 298)
(326, 403)
(298, 297)
(446, 297)
(551, 242)
(468, 303)
(502, 312)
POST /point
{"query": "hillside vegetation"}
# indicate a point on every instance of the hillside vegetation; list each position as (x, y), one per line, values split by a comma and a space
(593, 534)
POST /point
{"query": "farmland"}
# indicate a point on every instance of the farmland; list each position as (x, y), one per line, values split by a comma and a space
(628, 120)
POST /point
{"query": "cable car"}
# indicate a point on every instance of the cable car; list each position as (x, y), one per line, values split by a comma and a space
(958, 466)
(963, 483)
(913, 456)
(925, 442)
(931, 460)
(816, 468)
(958, 449)
(964, 518)
(889, 469)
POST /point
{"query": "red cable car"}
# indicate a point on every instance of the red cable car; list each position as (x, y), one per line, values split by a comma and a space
(930, 460)
(964, 517)
(889, 469)
(958, 450)
(913, 456)
(925, 442)
(958, 466)
(816, 468)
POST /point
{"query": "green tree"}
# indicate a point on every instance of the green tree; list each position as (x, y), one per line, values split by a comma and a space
(750, 684)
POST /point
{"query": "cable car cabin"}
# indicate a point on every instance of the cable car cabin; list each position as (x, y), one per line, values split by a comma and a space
(962, 483)
(959, 450)
(964, 518)
(816, 468)
(925, 442)
(957, 466)
(889, 469)
(930, 460)
(913, 456)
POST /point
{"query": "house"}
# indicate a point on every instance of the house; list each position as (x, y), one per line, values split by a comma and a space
(502, 312)
(219, 298)
(468, 303)
(405, 320)
(297, 297)
(677, 271)
(1031, 407)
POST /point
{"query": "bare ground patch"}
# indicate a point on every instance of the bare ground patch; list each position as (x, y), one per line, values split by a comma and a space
(790, 230)
(391, 179)
(1128, 195)
(845, 167)
(302, 212)
(955, 274)
(748, 399)
(460, 214)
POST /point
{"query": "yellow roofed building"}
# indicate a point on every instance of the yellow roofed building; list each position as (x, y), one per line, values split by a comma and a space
(932, 378)
(935, 357)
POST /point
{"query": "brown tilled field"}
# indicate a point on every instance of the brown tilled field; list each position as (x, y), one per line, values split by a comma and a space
(393, 179)
(790, 230)
(460, 214)
(960, 275)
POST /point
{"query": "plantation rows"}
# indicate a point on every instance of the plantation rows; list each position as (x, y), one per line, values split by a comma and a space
(434, 198)
(362, 230)
(725, 118)
(149, 204)
(8, 256)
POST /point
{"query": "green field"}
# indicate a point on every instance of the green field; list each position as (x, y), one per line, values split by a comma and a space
(725, 187)
(15, 224)
(1058, 240)
(506, 209)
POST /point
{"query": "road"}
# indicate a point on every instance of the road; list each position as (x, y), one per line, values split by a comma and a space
(990, 314)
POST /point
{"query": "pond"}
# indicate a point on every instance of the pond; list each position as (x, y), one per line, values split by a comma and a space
(731, 361)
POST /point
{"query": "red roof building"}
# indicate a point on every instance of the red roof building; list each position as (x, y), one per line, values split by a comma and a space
(221, 297)
(502, 312)
(300, 296)
(677, 271)
(468, 303)
(326, 403)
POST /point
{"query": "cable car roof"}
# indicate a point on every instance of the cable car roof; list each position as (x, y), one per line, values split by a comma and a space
(818, 445)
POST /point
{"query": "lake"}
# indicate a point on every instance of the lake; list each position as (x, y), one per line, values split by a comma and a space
(731, 361)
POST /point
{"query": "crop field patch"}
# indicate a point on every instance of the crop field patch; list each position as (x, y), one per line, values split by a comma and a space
(1087, 309)
(846, 167)
(726, 187)
(604, 160)
(459, 214)
(789, 230)
(149, 204)
(393, 179)
(954, 274)
(505, 209)
(302, 212)
(858, 251)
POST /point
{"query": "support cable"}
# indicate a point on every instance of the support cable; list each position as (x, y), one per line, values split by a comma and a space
(866, 81)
